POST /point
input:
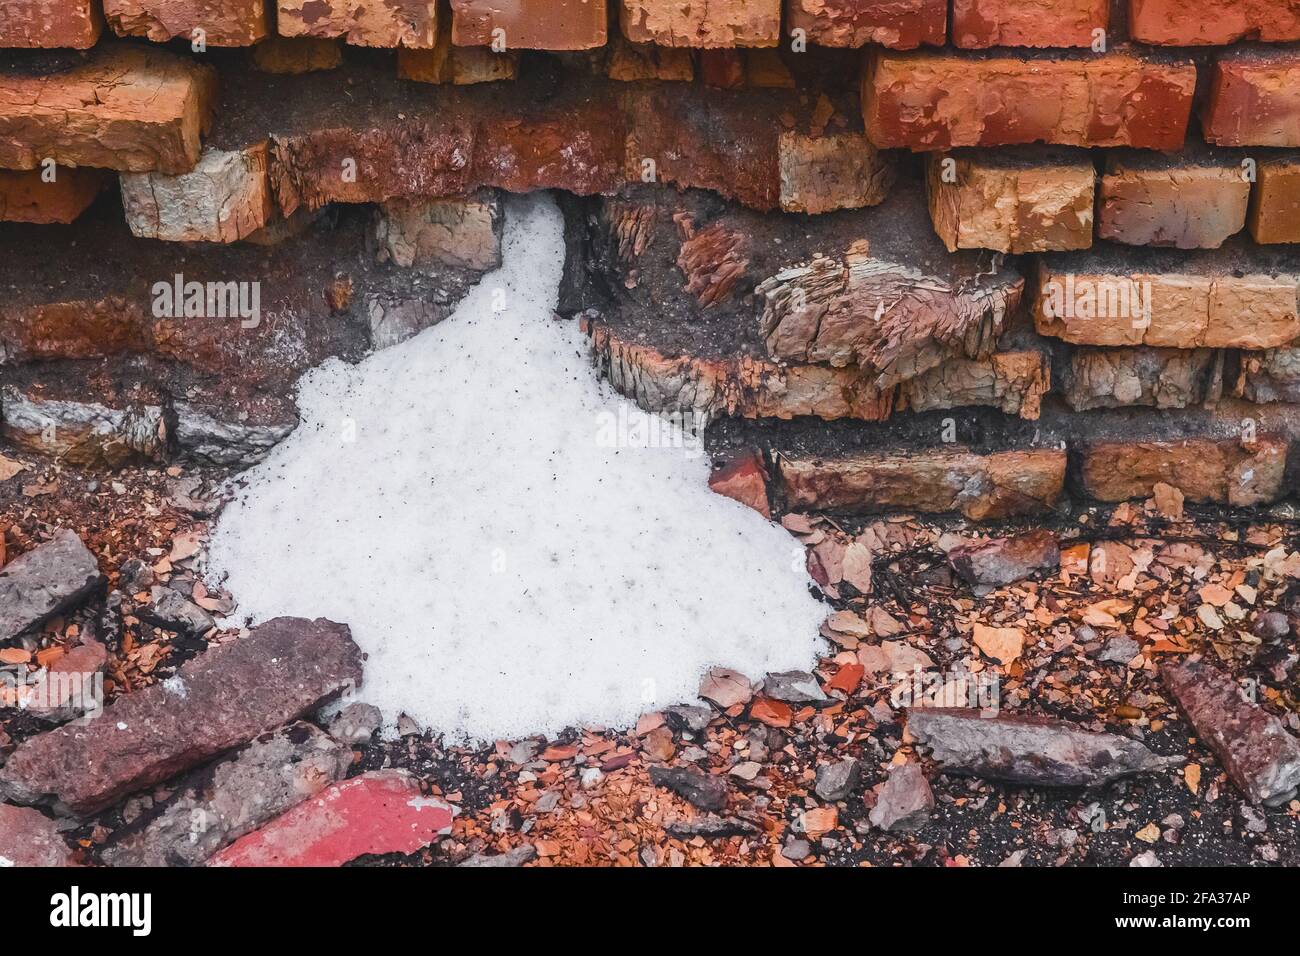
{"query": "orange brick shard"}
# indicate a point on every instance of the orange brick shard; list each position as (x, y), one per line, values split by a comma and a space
(897, 24)
(1255, 100)
(929, 101)
(50, 23)
(978, 24)
(1213, 22)
(27, 197)
(530, 24)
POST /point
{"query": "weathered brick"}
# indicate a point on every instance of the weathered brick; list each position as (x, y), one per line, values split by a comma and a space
(718, 23)
(835, 171)
(126, 108)
(50, 23)
(1214, 22)
(1275, 201)
(1039, 201)
(293, 55)
(929, 101)
(530, 24)
(456, 232)
(897, 24)
(1012, 382)
(225, 198)
(52, 577)
(30, 838)
(26, 196)
(1163, 378)
(382, 811)
(1254, 99)
(978, 24)
(1186, 201)
(1118, 297)
(630, 62)
(457, 65)
(384, 23)
(223, 22)
(941, 480)
(1205, 470)
(1270, 376)
(84, 432)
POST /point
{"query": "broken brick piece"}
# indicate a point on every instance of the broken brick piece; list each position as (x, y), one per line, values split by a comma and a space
(1254, 99)
(1275, 201)
(897, 24)
(382, 23)
(1205, 470)
(222, 22)
(529, 24)
(293, 55)
(719, 23)
(125, 108)
(30, 838)
(1189, 200)
(1013, 382)
(50, 24)
(221, 699)
(1261, 757)
(29, 196)
(1035, 201)
(978, 24)
(1212, 22)
(930, 480)
(225, 198)
(929, 101)
(1163, 378)
(378, 812)
(744, 479)
(835, 171)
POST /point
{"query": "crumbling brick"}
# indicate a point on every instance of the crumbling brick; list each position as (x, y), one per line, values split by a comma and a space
(929, 101)
(530, 24)
(294, 55)
(719, 23)
(50, 23)
(223, 22)
(384, 23)
(838, 171)
(1187, 201)
(225, 198)
(1213, 22)
(978, 24)
(897, 24)
(1254, 99)
(1205, 470)
(1010, 201)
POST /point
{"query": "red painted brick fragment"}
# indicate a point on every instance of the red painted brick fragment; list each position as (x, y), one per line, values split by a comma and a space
(897, 24)
(744, 479)
(1213, 22)
(378, 812)
(979, 24)
(928, 101)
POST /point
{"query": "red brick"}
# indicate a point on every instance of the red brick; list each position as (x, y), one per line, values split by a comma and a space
(50, 23)
(26, 197)
(1185, 201)
(224, 22)
(1213, 22)
(1205, 470)
(1275, 201)
(378, 812)
(383, 23)
(978, 24)
(928, 101)
(717, 23)
(530, 24)
(1255, 100)
(897, 24)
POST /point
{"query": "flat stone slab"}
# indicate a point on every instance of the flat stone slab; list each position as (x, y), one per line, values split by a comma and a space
(223, 802)
(1027, 750)
(378, 812)
(223, 698)
(1262, 759)
(46, 580)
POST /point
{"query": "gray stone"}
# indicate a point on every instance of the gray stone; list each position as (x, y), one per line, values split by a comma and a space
(794, 687)
(393, 320)
(82, 433)
(796, 850)
(997, 562)
(203, 436)
(703, 790)
(1119, 650)
(1262, 759)
(688, 717)
(221, 803)
(710, 827)
(170, 610)
(225, 697)
(29, 838)
(135, 576)
(516, 857)
(356, 724)
(1272, 625)
(464, 233)
(904, 801)
(835, 781)
(1028, 750)
(51, 578)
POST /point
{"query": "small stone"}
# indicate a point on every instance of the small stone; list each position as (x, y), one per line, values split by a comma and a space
(904, 801)
(1272, 626)
(796, 850)
(794, 687)
(998, 562)
(356, 724)
(688, 717)
(705, 791)
(1145, 859)
(511, 858)
(169, 610)
(591, 778)
(135, 576)
(1119, 650)
(835, 781)
(726, 688)
(30, 838)
(48, 579)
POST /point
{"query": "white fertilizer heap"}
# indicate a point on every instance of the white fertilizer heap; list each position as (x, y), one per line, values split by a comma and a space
(508, 569)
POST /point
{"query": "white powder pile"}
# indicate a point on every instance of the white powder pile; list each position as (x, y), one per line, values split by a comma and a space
(507, 567)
